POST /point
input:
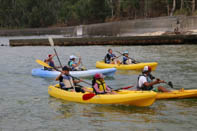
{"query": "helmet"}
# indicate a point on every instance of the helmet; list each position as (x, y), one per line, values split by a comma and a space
(126, 52)
(98, 76)
(72, 57)
(49, 55)
(147, 69)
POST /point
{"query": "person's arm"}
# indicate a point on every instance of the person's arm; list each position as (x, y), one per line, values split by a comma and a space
(97, 89)
(77, 81)
(153, 83)
(48, 59)
(58, 77)
(79, 62)
(108, 89)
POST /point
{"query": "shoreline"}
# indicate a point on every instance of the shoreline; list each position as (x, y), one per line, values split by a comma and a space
(91, 41)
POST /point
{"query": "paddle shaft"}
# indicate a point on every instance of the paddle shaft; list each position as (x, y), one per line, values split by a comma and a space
(129, 57)
(52, 45)
(57, 57)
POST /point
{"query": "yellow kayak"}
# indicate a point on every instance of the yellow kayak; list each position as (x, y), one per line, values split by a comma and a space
(138, 66)
(135, 98)
(177, 94)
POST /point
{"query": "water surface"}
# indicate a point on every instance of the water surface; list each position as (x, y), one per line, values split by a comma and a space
(26, 105)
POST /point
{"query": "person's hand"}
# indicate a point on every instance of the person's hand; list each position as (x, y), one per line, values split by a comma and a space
(161, 81)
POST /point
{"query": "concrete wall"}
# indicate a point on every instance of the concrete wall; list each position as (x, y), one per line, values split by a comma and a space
(120, 28)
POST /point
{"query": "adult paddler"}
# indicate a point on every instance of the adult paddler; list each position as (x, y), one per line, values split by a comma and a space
(146, 82)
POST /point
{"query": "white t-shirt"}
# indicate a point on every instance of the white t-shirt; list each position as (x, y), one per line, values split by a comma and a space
(142, 80)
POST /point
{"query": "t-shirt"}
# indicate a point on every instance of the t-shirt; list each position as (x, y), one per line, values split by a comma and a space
(142, 80)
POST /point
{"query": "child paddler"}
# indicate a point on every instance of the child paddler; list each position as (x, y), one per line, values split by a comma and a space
(99, 85)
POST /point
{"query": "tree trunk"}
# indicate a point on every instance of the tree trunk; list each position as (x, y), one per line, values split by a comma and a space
(182, 4)
(193, 6)
(168, 7)
(173, 8)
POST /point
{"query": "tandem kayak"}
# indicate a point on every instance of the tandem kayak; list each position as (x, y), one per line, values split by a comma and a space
(135, 98)
(178, 94)
(138, 66)
(91, 72)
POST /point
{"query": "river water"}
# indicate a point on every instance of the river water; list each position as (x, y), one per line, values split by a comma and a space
(25, 104)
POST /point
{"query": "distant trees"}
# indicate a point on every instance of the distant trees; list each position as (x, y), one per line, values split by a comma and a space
(45, 13)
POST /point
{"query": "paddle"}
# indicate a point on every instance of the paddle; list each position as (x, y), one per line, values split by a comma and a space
(129, 58)
(91, 95)
(52, 45)
(46, 65)
(168, 83)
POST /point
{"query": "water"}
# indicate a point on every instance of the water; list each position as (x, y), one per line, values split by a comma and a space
(26, 105)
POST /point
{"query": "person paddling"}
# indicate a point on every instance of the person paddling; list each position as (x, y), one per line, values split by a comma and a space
(145, 81)
(50, 62)
(73, 64)
(99, 85)
(68, 83)
(110, 58)
(126, 60)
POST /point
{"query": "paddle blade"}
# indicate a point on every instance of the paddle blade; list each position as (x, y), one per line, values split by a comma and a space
(88, 96)
(43, 63)
(127, 87)
(51, 41)
(170, 84)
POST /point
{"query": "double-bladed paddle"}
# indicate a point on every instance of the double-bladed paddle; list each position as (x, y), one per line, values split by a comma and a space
(91, 95)
(129, 58)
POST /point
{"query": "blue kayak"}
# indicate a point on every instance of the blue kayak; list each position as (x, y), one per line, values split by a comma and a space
(91, 72)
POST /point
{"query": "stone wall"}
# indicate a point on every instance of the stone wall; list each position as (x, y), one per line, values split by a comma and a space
(120, 28)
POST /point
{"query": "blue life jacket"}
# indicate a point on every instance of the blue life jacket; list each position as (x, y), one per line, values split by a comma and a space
(124, 59)
(109, 57)
(51, 63)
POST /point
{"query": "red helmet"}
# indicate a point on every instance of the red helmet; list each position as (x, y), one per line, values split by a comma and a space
(49, 55)
(98, 76)
(147, 69)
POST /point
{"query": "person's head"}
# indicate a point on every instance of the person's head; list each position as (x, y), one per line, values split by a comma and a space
(110, 51)
(66, 70)
(72, 57)
(98, 76)
(126, 53)
(50, 57)
(146, 70)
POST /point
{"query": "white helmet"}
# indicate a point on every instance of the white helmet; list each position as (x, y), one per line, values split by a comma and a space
(72, 57)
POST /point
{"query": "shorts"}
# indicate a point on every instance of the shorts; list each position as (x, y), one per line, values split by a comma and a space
(155, 89)
(77, 88)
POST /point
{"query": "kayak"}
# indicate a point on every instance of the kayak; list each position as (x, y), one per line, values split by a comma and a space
(138, 66)
(86, 73)
(135, 98)
(177, 94)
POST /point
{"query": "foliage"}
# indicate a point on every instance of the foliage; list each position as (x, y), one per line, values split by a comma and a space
(45, 13)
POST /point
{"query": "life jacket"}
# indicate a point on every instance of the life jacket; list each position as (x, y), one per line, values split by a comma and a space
(109, 57)
(101, 85)
(50, 63)
(143, 87)
(126, 60)
(70, 62)
(68, 81)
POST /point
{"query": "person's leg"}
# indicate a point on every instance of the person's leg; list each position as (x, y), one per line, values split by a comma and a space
(162, 89)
